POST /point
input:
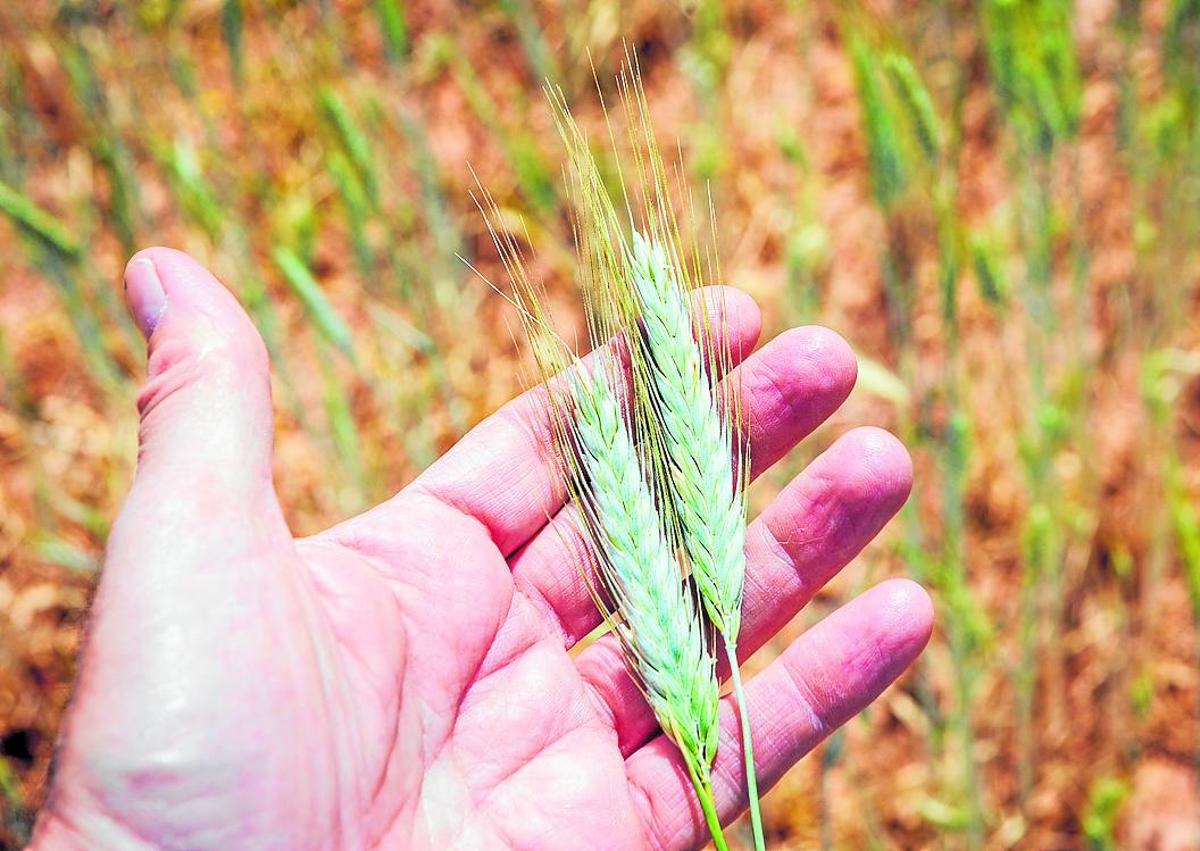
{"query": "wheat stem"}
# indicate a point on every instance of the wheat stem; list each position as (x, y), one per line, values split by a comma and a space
(702, 783)
(739, 699)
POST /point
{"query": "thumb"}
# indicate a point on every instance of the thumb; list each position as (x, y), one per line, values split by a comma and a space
(206, 421)
(181, 648)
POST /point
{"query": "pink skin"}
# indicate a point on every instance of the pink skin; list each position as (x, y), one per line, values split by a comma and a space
(403, 680)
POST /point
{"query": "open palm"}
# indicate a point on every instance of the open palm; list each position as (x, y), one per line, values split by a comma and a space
(406, 679)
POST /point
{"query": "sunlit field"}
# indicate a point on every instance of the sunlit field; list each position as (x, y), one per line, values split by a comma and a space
(997, 203)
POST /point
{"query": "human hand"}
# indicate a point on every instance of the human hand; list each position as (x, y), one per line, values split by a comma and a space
(404, 679)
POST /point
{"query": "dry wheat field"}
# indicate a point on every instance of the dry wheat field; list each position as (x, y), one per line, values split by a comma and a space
(997, 203)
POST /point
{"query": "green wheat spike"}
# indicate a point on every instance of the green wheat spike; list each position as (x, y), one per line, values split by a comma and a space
(997, 18)
(357, 208)
(949, 266)
(197, 197)
(698, 442)
(989, 274)
(352, 139)
(885, 162)
(233, 21)
(394, 26)
(917, 103)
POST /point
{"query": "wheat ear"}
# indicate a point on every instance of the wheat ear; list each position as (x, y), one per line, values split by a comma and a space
(652, 612)
(606, 448)
(708, 488)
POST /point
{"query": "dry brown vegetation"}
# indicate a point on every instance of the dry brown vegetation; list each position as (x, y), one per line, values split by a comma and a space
(1025, 291)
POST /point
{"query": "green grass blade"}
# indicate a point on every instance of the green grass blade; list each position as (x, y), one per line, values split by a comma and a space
(38, 223)
(394, 26)
(233, 22)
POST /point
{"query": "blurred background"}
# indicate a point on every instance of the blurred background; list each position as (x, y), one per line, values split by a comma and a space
(997, 203)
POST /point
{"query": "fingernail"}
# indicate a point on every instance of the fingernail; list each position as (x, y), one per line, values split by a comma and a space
(144, 294)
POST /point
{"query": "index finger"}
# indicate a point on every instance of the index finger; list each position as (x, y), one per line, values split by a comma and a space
(504, 472)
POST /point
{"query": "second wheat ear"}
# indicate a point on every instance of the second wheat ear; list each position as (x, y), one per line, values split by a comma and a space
(708, 463)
